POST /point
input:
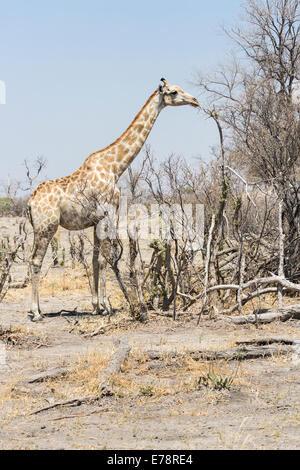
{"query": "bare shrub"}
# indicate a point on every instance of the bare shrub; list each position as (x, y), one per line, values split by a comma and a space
(12, 248)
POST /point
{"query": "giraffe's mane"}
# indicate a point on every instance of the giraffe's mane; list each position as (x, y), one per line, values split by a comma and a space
(132, 123)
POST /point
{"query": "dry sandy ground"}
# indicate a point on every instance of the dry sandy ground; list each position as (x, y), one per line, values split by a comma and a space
(156, 404)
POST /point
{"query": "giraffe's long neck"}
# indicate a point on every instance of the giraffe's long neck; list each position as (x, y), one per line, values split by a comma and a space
(123, 151)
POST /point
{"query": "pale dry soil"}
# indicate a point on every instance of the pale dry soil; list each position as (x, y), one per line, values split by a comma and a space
(155, 404)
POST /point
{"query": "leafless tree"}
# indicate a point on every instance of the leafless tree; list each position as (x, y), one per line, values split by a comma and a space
(253, 98)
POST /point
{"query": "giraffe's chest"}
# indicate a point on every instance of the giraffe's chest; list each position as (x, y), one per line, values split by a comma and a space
(85, 207)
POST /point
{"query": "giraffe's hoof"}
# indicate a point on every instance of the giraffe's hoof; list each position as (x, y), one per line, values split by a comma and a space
(35, 318)
(100, 311)
(105, 310)
(96, 311)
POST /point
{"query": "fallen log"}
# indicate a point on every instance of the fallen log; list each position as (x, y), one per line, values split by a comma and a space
(253, 349)
(266, 341)
(166, 314)
(118, 358)
(53, 373)
(47, 374)
(242, 353)
(19, 284)
(282, 314)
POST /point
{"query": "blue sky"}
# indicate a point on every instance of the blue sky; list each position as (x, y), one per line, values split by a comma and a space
(77, 72)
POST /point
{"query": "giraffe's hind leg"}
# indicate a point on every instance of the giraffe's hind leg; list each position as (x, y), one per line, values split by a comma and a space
(95, 285)
(41, 242)
(103, 268)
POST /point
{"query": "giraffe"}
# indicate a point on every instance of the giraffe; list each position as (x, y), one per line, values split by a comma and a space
(64, 201)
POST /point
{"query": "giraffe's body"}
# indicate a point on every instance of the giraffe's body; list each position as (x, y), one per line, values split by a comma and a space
(67, 201)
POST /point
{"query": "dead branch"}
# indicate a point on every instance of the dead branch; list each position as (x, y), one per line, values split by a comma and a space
(207, 264)
(72, 401)
(104, 328)
(241, 278)
(282, 314)
(281, 255)
(263, 280)
(253, 295)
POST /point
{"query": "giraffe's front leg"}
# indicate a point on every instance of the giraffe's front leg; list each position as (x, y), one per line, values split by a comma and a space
(39, 250)
(99, 265)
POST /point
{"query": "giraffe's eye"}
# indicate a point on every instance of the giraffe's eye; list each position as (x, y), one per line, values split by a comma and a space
(174, 93)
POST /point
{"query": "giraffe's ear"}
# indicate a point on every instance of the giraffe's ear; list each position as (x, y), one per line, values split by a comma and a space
(161, 86)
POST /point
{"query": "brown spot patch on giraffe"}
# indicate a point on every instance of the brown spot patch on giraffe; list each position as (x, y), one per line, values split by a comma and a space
(122, 149)
(135, 148)
(106, 167)
(121, 156)
(42, 188)
(138, 128)
(130, 139)
(94, 180)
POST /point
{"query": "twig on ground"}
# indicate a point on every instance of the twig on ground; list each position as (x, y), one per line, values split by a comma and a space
(72, 401)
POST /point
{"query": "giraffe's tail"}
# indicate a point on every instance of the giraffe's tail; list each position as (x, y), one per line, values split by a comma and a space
(29, 213)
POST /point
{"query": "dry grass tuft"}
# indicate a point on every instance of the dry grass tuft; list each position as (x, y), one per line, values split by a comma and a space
(21, 337)
(83, 376)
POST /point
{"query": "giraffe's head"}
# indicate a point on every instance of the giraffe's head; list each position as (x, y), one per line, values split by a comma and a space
(173, 95)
